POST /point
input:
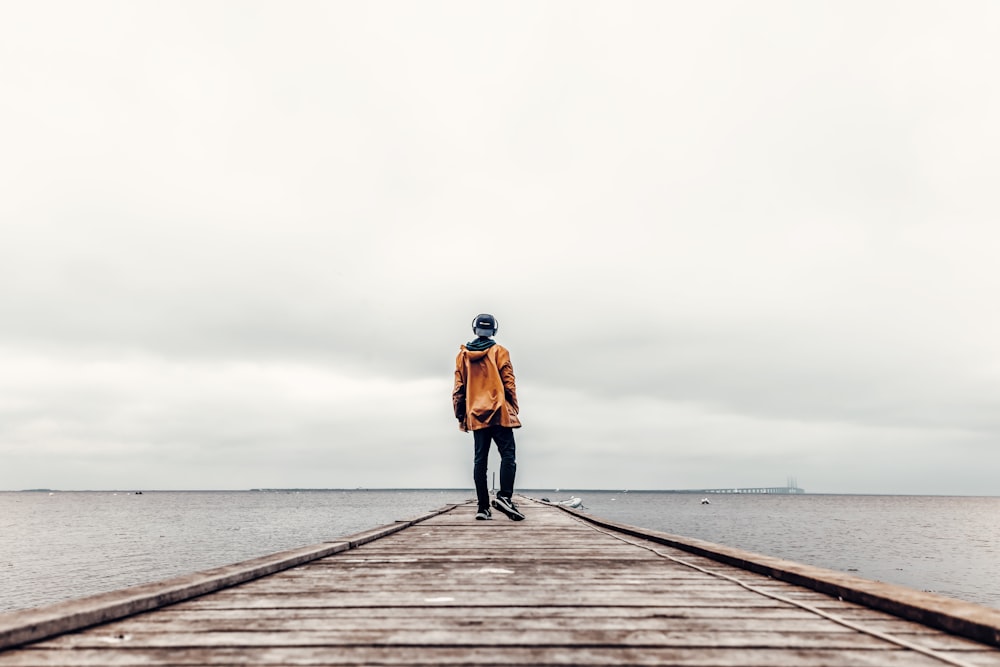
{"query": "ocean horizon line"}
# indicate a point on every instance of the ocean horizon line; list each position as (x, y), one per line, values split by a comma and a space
(469, 489)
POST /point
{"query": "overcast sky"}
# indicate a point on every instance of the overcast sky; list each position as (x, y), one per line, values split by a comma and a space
(726, 242)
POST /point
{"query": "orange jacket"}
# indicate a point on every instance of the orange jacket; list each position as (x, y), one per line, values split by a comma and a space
(484, 393)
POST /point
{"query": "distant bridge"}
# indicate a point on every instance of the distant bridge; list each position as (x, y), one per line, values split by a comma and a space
(791, 487)
(746, 489)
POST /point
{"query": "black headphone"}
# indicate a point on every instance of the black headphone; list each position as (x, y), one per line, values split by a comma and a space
(496, 324)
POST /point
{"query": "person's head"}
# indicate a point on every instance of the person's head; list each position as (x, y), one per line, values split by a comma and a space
(485, 325)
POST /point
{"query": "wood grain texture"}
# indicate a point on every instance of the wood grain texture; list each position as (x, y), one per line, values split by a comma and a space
(967, 619)
(21, 627)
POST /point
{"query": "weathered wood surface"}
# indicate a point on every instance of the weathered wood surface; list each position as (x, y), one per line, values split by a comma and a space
(35, 624)
(551, 590)
(969, 620)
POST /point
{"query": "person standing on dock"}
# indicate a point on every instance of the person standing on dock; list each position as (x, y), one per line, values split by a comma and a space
(485, 402)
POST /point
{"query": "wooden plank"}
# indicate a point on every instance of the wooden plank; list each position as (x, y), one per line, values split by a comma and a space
(510, 656)
(721, 619)
(521, 614)
(434, 598)
(477, 637)
(419, 630)
(247, 622)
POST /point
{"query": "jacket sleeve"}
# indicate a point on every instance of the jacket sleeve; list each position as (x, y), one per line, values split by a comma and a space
(507, 376)
(458, 393)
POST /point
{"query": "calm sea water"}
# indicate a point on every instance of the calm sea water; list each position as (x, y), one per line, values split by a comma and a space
(71, 544)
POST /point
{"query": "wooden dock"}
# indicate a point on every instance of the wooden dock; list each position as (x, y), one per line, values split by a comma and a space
(555, 589)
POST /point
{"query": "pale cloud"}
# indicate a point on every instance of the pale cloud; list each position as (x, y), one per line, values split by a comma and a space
(136, 421)
(241, 242)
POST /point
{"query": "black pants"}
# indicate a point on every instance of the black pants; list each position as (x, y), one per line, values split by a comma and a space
(504, 437)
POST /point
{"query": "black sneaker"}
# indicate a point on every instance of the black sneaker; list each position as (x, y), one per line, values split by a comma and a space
(507, 506)
(484, 514)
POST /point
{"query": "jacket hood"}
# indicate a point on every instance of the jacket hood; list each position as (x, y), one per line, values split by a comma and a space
(480, 344)
(476, 356)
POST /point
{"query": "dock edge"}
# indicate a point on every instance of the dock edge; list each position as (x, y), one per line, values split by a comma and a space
(958, 617)
(31, 625)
